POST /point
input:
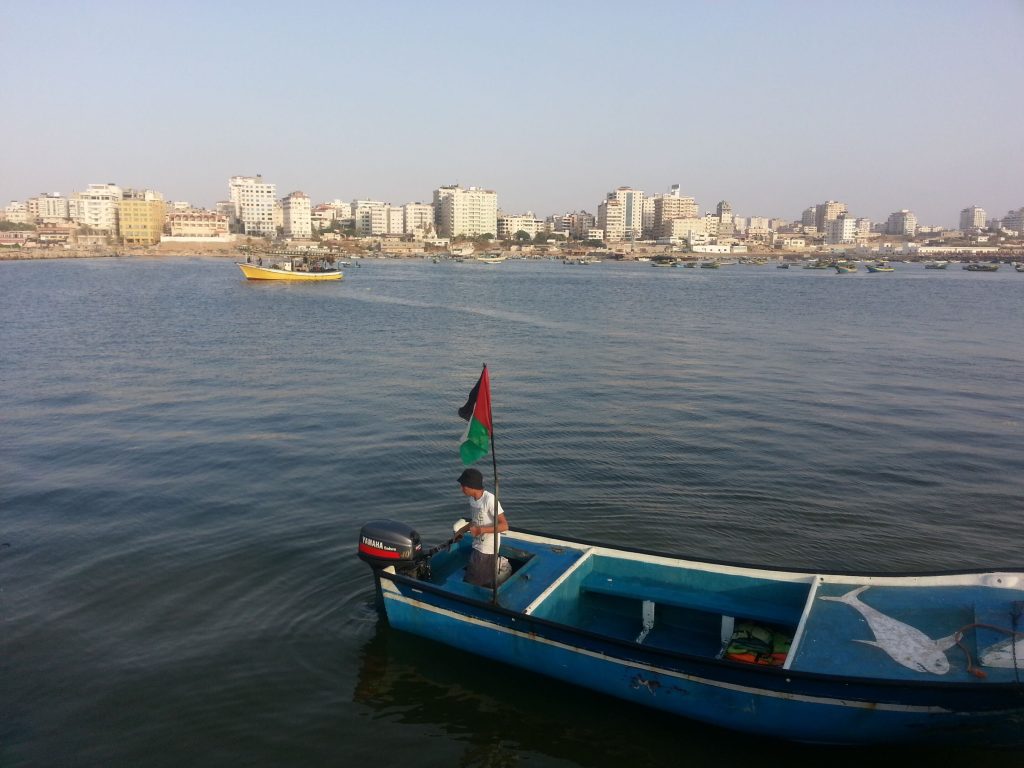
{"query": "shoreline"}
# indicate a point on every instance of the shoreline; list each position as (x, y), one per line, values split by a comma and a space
(233, 252)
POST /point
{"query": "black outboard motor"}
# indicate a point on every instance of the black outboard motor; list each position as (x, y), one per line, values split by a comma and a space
(388, 542)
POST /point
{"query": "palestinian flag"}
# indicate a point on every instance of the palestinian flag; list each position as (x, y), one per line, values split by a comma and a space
(476, 441)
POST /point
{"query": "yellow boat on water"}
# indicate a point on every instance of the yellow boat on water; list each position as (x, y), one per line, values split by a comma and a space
(285, 271)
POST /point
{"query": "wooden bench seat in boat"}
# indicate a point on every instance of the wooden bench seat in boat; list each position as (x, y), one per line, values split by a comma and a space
(720, 603)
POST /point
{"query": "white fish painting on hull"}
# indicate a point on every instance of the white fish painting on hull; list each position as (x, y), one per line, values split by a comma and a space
(905, 645)
(1006, 654)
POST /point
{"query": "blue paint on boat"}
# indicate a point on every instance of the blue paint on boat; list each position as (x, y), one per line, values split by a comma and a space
(652, 629)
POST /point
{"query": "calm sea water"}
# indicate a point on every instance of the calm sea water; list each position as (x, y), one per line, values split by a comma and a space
(186, 460)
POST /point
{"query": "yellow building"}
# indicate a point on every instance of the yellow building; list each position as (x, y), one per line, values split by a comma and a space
(141, 221)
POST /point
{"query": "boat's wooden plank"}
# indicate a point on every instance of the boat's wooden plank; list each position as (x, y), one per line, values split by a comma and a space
(720, 603)
(559, 581)
(801, 627)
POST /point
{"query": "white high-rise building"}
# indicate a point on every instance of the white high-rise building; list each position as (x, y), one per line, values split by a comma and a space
(611, 219)
(972, 219)
(828, 211)
(510, 225)
(297, 216)
(841, 230)
(49, 208)
(419, 220)
(689, 228)
(632, 202)
(648, 217)
(469, 212)
(16, 212)
(254, 201)
(668, 207)
(370, 217)
(394, 220)
(96, 207)
(756, 225)
(901, 223)
(1014, 221)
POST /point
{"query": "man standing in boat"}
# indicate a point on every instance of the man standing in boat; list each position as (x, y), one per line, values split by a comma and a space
(481, 527)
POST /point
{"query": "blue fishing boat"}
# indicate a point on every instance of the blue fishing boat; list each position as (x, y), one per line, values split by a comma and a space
(833, 658)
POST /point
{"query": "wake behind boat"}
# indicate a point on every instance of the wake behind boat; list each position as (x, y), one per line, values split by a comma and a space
(833, 658)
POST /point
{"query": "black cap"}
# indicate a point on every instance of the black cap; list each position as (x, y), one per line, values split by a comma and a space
(471, 478)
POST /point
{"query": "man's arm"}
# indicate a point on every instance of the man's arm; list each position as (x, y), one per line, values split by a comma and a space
(477, 530)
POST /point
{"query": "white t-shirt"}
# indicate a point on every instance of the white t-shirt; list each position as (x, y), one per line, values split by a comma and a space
(482, 513)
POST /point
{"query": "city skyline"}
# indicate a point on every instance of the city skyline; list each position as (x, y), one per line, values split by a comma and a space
(773, 108)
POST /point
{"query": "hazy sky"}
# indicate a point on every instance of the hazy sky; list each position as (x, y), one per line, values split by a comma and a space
(773, 106)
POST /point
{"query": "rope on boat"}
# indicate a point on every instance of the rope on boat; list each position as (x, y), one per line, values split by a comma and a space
(980, 673)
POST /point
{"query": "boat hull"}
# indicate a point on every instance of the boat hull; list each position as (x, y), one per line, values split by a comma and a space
(656, 630)
(256, 272)
(790, 706)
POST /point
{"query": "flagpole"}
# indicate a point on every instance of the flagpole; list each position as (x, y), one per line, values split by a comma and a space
(497, 504)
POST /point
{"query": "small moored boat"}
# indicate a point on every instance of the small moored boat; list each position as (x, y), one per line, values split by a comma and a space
(835, 658)
(845, 267)
(881, 266)
(936, 264)
(978, 266)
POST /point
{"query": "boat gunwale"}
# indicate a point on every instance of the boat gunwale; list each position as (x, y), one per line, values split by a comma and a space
(772, 568)
(781, 678)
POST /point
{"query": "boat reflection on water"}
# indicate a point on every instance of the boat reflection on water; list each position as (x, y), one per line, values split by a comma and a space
(503, 716)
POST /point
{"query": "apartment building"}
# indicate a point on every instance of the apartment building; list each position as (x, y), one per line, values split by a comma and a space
(468, 212)
(369, 217)
(16, 212)
(632, 203)
(141, 217)
(510, 225)
(197, 223)
(296, 216)
(901, 223)
(254, 204)
(96, 207)
(611, 219)
(49, 208)
(670, 207)
(828, 211)
(841, 230)
(418, 220)
(972, 219)
(687, 228)
(1014, 220)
